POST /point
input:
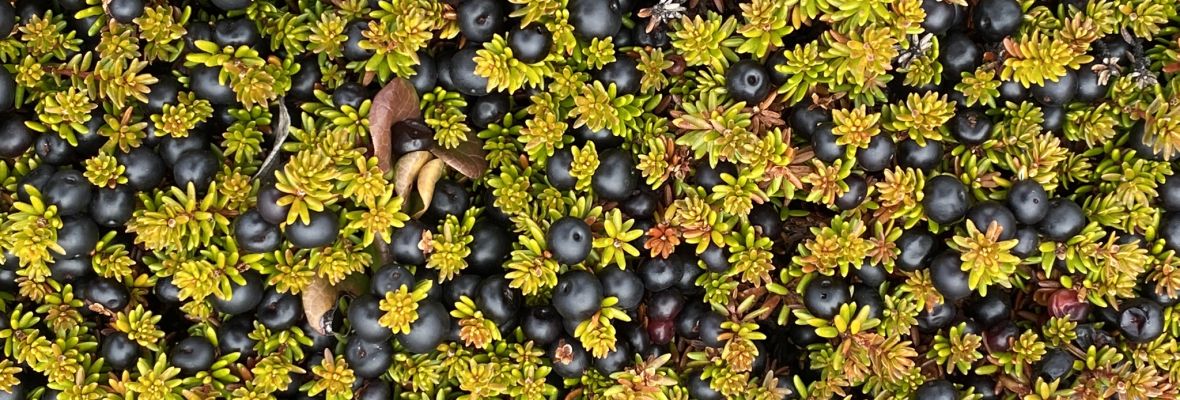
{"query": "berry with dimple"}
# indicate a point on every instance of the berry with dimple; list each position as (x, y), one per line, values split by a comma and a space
(1057, 92)
(530, 44)
(542, 325)
(69, 191)
(193, 354)
(125, 11)
(15, 136)
(369, 359)
(1063, 220)
(971, 127)
(108, 293)
(351, 48)
(255, 235)
(363, 313)
(242, 298)
(1140, 320)
(660, 273)
(1028, 201)
(479, 20)
(984, 214)
(279, 311)
(463, 76)
(578, 295)
(824, 295)
(569, 240)
(595, 18)
(948, 276)
(748, 81)
(236, 32)
(497, 300)
(995, 19)
(119, 351)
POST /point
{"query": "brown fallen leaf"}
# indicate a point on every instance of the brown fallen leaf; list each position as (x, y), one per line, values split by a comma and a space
(395, 102)
(428, 175)
(405, 172)
(319, 301)
(469, 158)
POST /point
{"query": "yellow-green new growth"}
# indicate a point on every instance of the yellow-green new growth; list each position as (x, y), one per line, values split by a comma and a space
(987, 259)
(401, 306)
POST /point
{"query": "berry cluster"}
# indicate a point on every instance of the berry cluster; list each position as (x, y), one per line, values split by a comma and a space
(599, 199)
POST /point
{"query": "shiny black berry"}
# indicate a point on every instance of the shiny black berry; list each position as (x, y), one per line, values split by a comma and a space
(119, 351)
(990, 310)
(971, 127)
(1027, 242)
(490, 245)
(530, 44)
(984, 214)
(660, 273)
(699, 388)
(15, 136)
(319, 231)
(350, 94)
(916, 247)
(242, 297)
(948, 276)
(77, 236)
(425, 73)
(623, 73)
(595, 18)
(279, 311)
(8, 19)
(1090, 86)
(256, 235)
(570, 359)
(622, 284)
(615, 178)
(479, 20)
(410, 135)
(69, 191)
(428, 331)
(958, 54)
(363, 313)
(193, 354)
(171, 148)
(369, 360)
(405, 243)
(823, 143)
(940, 16)
(542, 325)
(926, 157)
(879, 154)
(1055, 364)
(996, 19)
(805, 118)
(937, 390)
(1057, 92)
(748, 81)
(1028, 201)
(497, 300)
(945, 199)
(352, 48)
(205, 82)
(824, 295)
(463, 74)
(858, 188)
(1140, 320)
(489, 109)
(236, 32)
(1063, 220)
(125, 11)
(578, 295)
(707, 176)
(195, 167)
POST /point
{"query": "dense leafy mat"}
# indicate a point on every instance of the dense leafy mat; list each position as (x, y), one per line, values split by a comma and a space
(632, 199)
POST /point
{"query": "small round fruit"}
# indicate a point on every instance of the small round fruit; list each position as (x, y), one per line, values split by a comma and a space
(557, 170)
(119, 351)
(622, 284)
(531, 44)
(68, 270)
(142, 167)
(823, 143)
(370, 359)
(303, 83)
(428, 331)
(1169, 193)
(167, 291)
(463, 74)
(1028, 201)
(748, 81)
(990, 310)
(766, 220)
(1055, 364)
(623, 73)
(125, 11)
(53, 150)
(319, 231)
(77, 236)
(1053, 119)
(660, 273)
(195, 167)
(805, 118)
(603, 138)
(971, 127)
(410, 135)
(879, 154)
(193, 354)
(984, 214)
(498, 301)
(205, 82)
(709, 329)
(479, 20)
(233, 336)
(363, 314)
(542, 325)
(236, 32)
(926, 157)
(350, 94)
(490, 245)
(945, 199)
(940, 389)
(915, 247)
(242, 298)
(940, 16)
(425, 73)
(569, 240)
(595, 18)
(996, 19)
(404, 245)
(489, 109)
(7, 19)
(958, 54)
(699, 388)
(1090, 86)
(1140, 320)
(615, 178)
(578, 295)
(614, 360)
(868, 297)
(1063, 220)
(1169, 230)
(1056, 92)
(946, 271)
(824, 295)
(450, 198)
(707, 176)
(352, 48)
(389, 278)
(716, 258)
(1012, 91)
(230, 5)
(940, 317)
(641, 205)
(279, 311)
(69, 191)
(870, 274)
(858, 188)
(15, 137)
(570, 360)
(268, 206)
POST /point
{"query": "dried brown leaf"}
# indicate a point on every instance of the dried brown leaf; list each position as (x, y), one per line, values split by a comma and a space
(395, 102)
(319, 301)
(469, 158)
(406, 171)
(428, 175)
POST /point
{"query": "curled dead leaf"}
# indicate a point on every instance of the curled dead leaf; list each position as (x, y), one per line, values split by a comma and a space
(429, 175)
(469, 158)
(395, 102)
(319, 302)
(406, 171)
